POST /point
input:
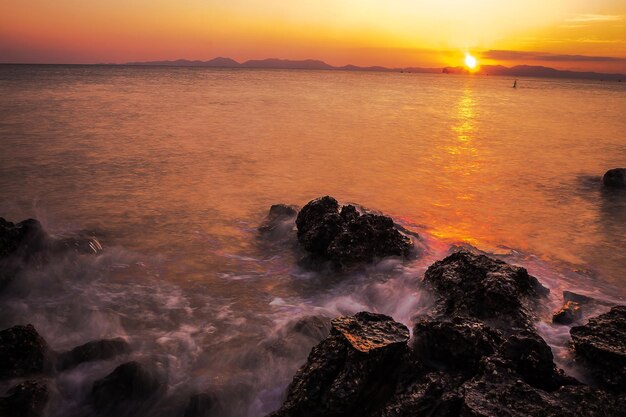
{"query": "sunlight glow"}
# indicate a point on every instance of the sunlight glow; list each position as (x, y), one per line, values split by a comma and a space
(470, 61)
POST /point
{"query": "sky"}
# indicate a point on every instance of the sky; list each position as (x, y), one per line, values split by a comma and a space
(565, 34)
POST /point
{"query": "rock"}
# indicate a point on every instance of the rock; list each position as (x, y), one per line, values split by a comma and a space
(455, 345)
(577, 298)
(23, 352)
(24, 238)
(200, 405)
(568, 314)
(92, 351)
(615, 178)
(471, 285)
(315, 327)
(601, 345)
(342, 376)
(27, 399)
(530, 357)
(130, 387)
(279, 220)
(345, 237)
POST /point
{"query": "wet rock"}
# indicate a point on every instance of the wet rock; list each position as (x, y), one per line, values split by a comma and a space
(615, 178)
(343, 373)
(27, 399)
(455, 345)
(279, 220)
(577, 298)
(601, 344)
(472, 285)
(23, 352)
(129, 388)
(530, 357)
(345, 237)
(24, 238)
(92, 351)
(568, 314)
(315, 327)
(200, 405)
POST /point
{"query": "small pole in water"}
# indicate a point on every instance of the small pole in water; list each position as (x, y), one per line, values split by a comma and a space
(515, 84)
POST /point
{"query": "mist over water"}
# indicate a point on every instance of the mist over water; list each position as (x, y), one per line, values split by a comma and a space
(172, 170)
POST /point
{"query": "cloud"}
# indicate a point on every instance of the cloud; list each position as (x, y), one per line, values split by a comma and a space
(589, 18)
(503, 55)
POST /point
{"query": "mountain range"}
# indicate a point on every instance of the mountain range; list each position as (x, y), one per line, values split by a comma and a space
(312, 64)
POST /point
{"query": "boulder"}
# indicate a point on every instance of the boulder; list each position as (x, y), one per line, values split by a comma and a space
(128, 389)
(23, 352)
(472, 285)
(27, 399)
(92, 351)
(279, 220)
(342, 376)
(345, 237)
(568, 314)
(615, 178)
(24, 238)
(456, 345)
(601, 345)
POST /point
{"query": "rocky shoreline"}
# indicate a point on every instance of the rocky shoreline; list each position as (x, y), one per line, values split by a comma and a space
(477, 353)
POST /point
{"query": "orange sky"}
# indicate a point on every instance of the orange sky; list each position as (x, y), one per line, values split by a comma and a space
(567, 34)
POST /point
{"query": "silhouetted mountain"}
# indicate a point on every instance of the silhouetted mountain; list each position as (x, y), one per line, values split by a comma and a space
(312, 64)
(535, 71)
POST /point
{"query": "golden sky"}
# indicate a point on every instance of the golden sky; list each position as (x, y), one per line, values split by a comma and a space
(568, 34)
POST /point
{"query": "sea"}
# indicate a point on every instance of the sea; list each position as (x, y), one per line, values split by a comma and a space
(172, 170)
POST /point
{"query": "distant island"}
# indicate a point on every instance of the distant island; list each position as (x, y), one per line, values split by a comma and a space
(312, 64)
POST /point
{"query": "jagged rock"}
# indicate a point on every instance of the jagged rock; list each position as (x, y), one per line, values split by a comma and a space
(23, 352)
(531, 358)
(615, 178)
(27, 399)
(200, 405)
(130, 387)
(455, 345)
(92, 351)
(343, 373)
(471, 285)
(601, 344)
(345, 237)
(568, 314)
(498, 391)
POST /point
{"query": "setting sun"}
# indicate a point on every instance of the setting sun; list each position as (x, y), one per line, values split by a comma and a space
(470, 61)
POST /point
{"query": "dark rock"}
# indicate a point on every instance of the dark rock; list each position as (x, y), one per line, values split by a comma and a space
(568, 314)
(92, 351)
(23, 352)
(345, 237)
(601, 344)
(531, 358)
(24, 238)
(487, 289)
(27, 399)
(200, 405)
(130, 387)
(279, 220)
(315, 327)
(615, 178)
(456, 345)
(343, 373)
(577, 298)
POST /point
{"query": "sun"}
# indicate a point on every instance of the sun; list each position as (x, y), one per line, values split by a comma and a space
(470, 61)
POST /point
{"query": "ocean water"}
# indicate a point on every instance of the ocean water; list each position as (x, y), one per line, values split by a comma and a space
(172, 170)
